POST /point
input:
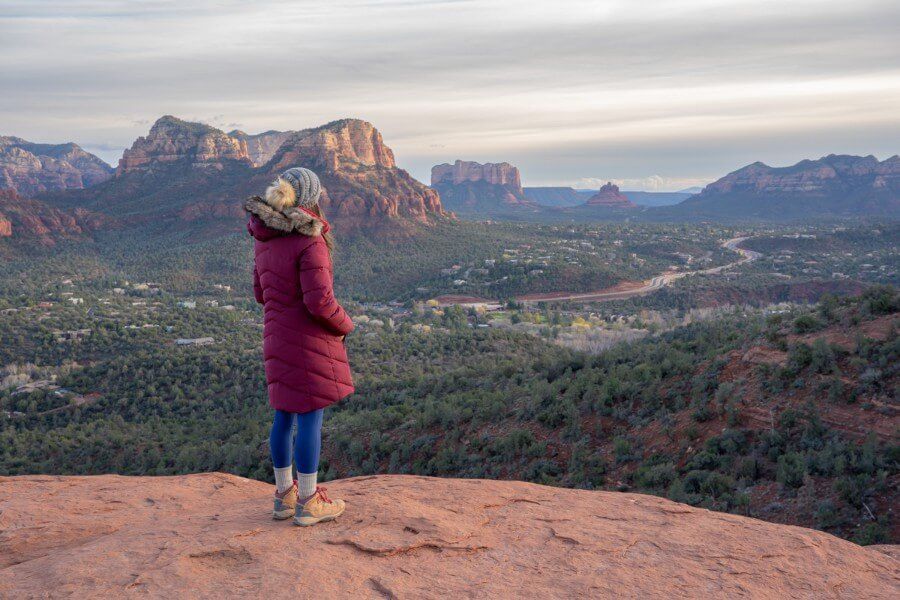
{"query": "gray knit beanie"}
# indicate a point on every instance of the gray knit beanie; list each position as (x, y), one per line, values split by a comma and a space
(306, 185)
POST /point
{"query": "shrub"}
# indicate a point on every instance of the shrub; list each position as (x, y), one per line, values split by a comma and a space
(873, 533)
(826, 514)
(655, 477)
(881, 300)
(622, 450)
(791, 469)
(806, 324)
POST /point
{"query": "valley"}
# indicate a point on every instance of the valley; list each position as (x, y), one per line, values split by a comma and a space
(670, 392)
(741, 366)
(450, 300)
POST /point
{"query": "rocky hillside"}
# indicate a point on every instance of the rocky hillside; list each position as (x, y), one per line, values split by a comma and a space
(791, 418)
(192, 176)
(467, 186)
(407, 537)
(30, 168)
(24, 220)
(609, 196)
(832, 186)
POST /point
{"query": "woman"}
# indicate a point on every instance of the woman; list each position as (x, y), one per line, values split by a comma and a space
(303, 336)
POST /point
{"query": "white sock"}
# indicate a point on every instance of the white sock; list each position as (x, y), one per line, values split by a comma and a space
(306, 484)
(283, 478)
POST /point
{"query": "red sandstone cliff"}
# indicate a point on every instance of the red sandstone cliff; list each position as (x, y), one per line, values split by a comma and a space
(462, 171)
(210, 535)
(471, 186)
(363, 185)
(173, 140)
(186, 174)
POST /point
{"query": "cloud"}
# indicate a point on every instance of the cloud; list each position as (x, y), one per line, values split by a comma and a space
(684, 88)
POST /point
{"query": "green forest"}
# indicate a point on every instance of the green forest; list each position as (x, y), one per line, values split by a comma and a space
(676, 414)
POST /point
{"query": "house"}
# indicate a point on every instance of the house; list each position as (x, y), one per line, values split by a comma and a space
(41, 384)
(203, 341)
(72, 335)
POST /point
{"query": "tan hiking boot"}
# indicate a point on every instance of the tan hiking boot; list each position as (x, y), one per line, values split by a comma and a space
(285, 503)
(318, 508)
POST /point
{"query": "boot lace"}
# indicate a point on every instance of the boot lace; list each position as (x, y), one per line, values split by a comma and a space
(320, 492)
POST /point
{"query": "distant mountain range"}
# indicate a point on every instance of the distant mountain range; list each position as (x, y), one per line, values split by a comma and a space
(191, 176)
(30, 168)
(832, 186)
(562, 197)
(558, 197)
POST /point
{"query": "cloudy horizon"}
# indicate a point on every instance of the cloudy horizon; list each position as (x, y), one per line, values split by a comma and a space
(659, 95)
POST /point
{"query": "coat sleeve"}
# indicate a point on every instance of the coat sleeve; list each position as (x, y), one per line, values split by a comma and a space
(317, 288)
(257, 287)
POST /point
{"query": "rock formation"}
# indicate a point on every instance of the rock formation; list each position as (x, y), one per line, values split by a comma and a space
(190, 175)
(609, 196)
(335, 146)
(172, 140)
(835, 185)
(30, 168)
(262, 146)
(462, 171)
(407, 537)
(35, 221)
(363, 186)
(471, 186)
(5, 226)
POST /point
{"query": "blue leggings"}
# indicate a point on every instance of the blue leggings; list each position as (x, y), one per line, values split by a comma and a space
(307, 443)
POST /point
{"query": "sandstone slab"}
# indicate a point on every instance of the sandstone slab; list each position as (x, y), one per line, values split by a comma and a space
(210, 535)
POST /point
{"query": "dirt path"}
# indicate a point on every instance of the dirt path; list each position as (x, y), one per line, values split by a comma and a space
(631, 289)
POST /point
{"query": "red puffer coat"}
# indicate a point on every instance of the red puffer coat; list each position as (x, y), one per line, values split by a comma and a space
(306, 361)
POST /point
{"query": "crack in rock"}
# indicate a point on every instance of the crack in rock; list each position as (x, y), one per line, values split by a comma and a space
(438, 545)
(223, 558)
(565, 538)
(382, 589)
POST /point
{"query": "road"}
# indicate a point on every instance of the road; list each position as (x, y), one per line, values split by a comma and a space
(656, 283)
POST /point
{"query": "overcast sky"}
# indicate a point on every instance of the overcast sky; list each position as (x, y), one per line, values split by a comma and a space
(653, 94)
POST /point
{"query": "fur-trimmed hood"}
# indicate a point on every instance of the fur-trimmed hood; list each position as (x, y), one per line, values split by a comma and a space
(287, 220)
